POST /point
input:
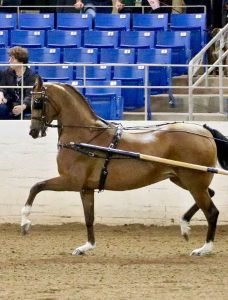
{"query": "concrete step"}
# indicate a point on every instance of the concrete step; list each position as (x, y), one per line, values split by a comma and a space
(204, 117)
(206, 102)
(180, 85)
(178, 117)
(159, 116)
(201, 104)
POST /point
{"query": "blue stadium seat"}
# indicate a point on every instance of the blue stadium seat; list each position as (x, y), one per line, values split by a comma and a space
(105, 98)
(44, 55)
(131, 76)
(4, 57)
(179, 42)
(101, 39)
(112, 21)
(77, 84)
(101, 72)
(196, 23)
(150, 22)
(74, 21)
(28, 38)
(8, 21)
(85, 56)
(117, 56)
(4, 38)
(56, 73)
(137, 39)
(159, 75)
(64, 38)
(36, 21)
(80, 55)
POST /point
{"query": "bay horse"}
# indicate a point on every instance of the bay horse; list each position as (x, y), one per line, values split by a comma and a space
(78, 123)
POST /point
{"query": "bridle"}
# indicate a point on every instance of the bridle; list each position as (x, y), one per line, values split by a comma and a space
(40, 100)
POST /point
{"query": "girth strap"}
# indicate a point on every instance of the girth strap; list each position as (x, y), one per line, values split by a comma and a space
(104, 170)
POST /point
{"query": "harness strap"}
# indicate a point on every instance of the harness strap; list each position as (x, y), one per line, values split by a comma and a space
(104, 170)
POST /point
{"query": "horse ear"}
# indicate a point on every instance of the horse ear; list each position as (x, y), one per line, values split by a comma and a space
(38, 83)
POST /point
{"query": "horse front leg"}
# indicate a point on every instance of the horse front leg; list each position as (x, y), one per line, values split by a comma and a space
(87, 197)
(185, 220)
(60, 183)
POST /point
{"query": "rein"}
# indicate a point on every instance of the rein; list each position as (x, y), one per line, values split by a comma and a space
(40, 100)
(40, 103)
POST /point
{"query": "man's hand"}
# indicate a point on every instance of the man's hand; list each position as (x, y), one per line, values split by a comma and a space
(79, 4)
(3, 100)
(18, 109)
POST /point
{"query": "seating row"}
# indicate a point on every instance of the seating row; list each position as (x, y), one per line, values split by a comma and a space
(78, 56)
(133, 76)
(73, 21)
(157, 76)
(196, 23)
(88, 38)
(178, 41)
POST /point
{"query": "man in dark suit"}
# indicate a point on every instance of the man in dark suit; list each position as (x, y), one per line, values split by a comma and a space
(16, 101)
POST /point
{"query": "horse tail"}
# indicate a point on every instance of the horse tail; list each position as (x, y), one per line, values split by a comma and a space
(222, 146)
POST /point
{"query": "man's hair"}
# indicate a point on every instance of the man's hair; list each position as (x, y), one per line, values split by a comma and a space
(21, 54)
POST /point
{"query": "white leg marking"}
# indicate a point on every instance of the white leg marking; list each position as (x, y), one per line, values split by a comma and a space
(82, 249)
(185, 228)
(25, 222)
(206, 249)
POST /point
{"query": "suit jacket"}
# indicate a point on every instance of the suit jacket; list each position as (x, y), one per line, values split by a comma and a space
(13, 95)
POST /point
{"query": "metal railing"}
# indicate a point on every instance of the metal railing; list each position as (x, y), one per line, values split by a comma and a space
(197, 64)
(193, 69)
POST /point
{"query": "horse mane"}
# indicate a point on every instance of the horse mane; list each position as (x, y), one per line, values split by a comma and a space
(84, 100)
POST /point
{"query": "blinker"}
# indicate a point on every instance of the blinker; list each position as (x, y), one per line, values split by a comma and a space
(37, 104)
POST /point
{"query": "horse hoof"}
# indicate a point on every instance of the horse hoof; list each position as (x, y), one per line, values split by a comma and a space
(205, 250)
(77, 252)
(25, 228)
(82, 249)
(195, 253)
(186, 237)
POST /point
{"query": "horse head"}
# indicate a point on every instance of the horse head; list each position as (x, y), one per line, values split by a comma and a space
(43, 111)
(38, 109)
(61, 102)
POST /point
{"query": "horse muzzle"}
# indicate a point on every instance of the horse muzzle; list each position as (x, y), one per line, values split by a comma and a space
(34, 133)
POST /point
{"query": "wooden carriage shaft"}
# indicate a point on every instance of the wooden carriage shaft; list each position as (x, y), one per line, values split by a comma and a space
(154, 159)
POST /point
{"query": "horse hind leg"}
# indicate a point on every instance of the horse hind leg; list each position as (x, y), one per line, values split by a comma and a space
(204, 202)
(87, 197)
(185, 220)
